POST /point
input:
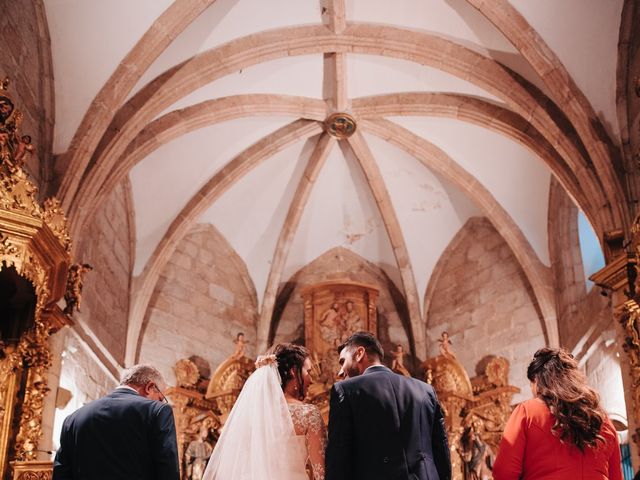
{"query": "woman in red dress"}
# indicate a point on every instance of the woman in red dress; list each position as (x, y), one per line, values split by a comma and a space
(562, 433)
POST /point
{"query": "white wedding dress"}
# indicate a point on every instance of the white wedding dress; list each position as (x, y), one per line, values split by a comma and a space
(259, 440)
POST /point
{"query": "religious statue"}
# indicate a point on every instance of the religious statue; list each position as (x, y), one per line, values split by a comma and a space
(23, 150)
(197, 455)
(330, 323)
(240, 344)
(351, 317)
(476, 454)
(329, 364)
(397, 364)
(73, 295)
(445, 346)
(187, 374)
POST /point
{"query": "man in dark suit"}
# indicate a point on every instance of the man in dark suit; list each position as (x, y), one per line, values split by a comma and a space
(126, 435)
(383, 426)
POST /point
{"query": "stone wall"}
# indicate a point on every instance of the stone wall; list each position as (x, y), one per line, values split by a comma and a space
(106, 243)
(203, 299)
(484, 301)
(338, 264)
(25, 57)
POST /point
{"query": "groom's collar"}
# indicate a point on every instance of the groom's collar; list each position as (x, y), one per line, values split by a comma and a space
(375, 368)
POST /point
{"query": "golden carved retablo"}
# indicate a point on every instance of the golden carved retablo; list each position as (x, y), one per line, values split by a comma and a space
(476, 410)
(34, 249)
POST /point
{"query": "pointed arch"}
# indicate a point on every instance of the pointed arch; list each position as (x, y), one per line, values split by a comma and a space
(366, 39)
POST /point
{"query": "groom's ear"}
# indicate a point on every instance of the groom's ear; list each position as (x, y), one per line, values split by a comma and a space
(359, 354)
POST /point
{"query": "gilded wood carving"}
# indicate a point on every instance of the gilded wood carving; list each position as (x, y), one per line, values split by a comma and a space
(620, 279)
(476, 410)
(35, 244)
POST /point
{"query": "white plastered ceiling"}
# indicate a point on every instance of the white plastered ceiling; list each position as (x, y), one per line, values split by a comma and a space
(91, 37)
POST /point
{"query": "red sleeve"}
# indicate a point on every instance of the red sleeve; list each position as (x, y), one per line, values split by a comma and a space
(509, 462)
(615, 460)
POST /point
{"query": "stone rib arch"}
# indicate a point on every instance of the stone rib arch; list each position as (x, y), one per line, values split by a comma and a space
(506, 18)
(114, 92)
(459, 109)
(478, 112)
(434, 158)
(462, 107)
(366, 39)
(226, 177)
(287, 234)
(180, 122)
(392, 226)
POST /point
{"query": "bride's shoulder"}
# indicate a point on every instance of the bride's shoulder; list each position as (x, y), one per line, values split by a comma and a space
(306, 408)
(308, 412)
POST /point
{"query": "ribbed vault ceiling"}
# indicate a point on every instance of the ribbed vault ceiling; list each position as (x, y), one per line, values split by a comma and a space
(213, 110)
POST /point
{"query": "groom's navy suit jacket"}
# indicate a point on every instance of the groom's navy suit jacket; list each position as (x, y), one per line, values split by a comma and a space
(122, 436)
(383, 426)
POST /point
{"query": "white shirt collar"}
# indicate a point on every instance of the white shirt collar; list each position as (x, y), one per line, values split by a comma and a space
(126, 387)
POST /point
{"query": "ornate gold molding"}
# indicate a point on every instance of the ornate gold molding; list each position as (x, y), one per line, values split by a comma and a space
(619, 280)
(32, 470)
(34, 240)
(629, 319)
(476, 410)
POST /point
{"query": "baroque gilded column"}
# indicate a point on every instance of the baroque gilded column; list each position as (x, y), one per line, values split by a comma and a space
(34, 259)
(619, 280)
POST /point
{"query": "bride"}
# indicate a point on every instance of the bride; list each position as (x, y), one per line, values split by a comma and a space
(271, 433)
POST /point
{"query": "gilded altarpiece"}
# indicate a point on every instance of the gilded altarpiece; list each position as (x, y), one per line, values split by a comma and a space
(34, 251)
(619, 280)
(476, 411)
(201, 406)
(332, 312)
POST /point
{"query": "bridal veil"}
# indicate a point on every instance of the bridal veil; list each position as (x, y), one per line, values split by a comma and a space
(258, 440)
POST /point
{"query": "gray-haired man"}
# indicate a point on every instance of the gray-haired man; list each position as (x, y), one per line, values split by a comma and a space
(127, 434)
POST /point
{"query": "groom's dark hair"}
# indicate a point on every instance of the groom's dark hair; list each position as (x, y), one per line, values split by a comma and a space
(367, 340)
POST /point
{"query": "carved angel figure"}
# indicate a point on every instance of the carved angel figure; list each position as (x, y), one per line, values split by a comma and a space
(73, 295)
(445, 346)
(240, 346)
(397, 364)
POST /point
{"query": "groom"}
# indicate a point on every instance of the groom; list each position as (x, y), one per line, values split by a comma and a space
(383, 426)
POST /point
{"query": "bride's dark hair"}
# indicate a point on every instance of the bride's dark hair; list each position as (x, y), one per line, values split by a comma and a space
(290, 357)
(563, 387)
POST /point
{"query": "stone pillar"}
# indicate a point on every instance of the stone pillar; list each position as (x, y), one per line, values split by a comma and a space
(56, 345)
